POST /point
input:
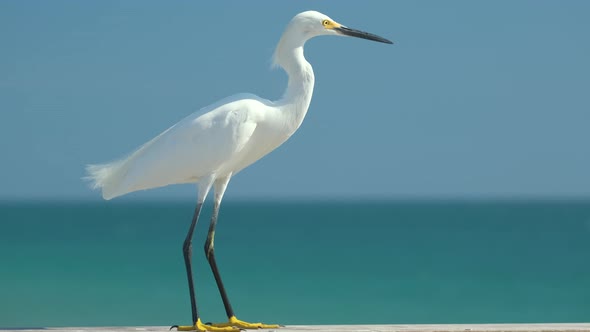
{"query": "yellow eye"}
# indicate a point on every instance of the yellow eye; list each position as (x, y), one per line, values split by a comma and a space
(325, 23)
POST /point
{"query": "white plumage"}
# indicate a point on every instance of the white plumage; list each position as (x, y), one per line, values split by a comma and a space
(213, 144)
(221, 139)
(214, 141)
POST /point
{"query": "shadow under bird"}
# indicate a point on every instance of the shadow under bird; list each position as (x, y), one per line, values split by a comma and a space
(210, 146)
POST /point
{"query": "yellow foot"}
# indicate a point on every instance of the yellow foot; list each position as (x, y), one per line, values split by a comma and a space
(200, 327)
(233, 321)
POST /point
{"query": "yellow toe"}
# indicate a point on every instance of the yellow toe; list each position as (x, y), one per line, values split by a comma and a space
(200, 327)
(184, 328)
(233, 321)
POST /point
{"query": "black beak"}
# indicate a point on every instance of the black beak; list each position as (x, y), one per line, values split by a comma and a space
(361, 34)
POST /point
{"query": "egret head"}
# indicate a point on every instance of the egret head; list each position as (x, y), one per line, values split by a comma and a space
(311, 23)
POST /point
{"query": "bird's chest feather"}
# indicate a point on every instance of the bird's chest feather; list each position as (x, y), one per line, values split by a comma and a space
(264, 140)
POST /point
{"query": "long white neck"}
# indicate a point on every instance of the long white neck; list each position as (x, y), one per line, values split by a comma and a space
(297, 96)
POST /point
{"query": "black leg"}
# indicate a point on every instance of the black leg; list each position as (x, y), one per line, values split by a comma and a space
(210, 253)
(187, 249)
(220, 186)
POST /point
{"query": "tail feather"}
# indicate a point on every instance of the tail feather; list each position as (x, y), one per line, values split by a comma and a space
(107, 177)
(110, 177)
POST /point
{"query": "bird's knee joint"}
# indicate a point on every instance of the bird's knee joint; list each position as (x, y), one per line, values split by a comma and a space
(187, 247)
(209, 249)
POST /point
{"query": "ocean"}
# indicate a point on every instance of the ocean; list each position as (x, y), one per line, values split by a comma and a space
(398, 262)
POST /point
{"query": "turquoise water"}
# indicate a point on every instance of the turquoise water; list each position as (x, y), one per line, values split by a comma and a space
(116, 263)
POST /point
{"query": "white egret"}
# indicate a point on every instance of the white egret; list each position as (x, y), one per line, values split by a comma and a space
(215, 143)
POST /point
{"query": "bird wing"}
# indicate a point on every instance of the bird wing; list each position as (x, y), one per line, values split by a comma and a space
(243, 133)
(206, 142)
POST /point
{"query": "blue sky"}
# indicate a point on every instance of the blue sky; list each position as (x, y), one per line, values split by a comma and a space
(475, 99)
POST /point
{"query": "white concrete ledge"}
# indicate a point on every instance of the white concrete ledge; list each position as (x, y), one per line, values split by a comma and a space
(553, 327)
